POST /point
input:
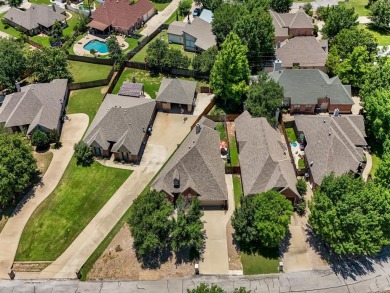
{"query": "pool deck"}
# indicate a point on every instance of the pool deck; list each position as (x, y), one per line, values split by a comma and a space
(79, 50)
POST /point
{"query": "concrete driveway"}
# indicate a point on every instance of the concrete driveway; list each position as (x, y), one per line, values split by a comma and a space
(72, 132)
(215, 257)
(202, 101)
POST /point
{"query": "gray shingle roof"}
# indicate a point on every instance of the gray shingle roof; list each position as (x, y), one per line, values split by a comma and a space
(131, 89)
(305, 51)
(176, 28)
(333, 143)
(178, 91)
(283, 21)
(198, 165)
(305, 86)
(36, 105)
(36, 15)
(201, 30)
(207, 15)
(122, 120)
(264, 160)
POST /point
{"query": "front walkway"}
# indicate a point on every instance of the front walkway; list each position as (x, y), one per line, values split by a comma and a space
(215, 257)
(368, 167)
(72, 132)
(168, 132)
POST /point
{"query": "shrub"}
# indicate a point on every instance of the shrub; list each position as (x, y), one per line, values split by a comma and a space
(39, 139)
(54, 136)
(301, 186)
(315, 30)
(83, 154)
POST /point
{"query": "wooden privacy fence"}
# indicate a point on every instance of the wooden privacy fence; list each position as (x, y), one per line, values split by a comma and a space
(92, 83)
(94, 60)
(35, 44)
(205, 111)
(233, 170)
(223, 118)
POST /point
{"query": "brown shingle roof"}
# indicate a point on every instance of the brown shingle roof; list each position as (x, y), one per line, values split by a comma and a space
(284, 21)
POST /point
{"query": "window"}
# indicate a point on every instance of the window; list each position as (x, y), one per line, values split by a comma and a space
(96, 151)
(176, 183)
(308, 108)
(297, 107)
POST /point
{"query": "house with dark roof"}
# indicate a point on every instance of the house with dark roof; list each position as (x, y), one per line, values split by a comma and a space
(303, 53)
(195, 37)
(291, 24)
(196, 169)
(36, 19)
(121, 127)
(264, 159)
(176, 94)
(36, 106)
(121, 16)
(310, 91)
(333, 144)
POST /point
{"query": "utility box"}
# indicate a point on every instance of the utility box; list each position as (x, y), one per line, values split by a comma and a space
(196, 269)
(281, 266)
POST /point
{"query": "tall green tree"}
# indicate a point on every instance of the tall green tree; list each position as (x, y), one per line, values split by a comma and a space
(15, 3)
(114, 49)
(230, 74)
(258, 33)
(262, 219)
(380, 14)
(225, 18)
(151, 222)
(323, 12)
(204, 62)
(176, 59)
(352, 217)
(83, 154)
(339, 17)
(382, 174)
(377, 79)
(210, 4)
(281, 6)
(156, 52)
(188, 228)
(185, 7)
(264, 97)
(17, 166)
(12, 63)
(47, 64)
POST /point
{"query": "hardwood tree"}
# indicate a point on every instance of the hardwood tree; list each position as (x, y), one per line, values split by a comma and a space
(39, 139)
(382, 174)
(339, 17)
(377, 79)
(83, 154)
(176, 59)
(56, 32)
(17, 166)
(352, 217)
(114, 50)
(301, 186)
(322, 12)
(230, 74)
(380, 14)
(12, 63)
(203, 63)
(210, 4)
(156, 53)
(185, 7)
(15, 3)
(262, 220)
(225, 18)
(281, 6)
(150, 223)
(264, 97)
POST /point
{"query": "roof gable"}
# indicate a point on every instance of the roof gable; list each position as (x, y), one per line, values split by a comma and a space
(176, 91)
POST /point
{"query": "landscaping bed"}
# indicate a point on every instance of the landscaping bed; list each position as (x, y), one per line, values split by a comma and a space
(79, 196)
(83, 71)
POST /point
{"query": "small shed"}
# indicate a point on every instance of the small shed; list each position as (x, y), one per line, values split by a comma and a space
(132, 89)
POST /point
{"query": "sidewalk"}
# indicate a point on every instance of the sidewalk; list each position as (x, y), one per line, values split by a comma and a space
(72, 132)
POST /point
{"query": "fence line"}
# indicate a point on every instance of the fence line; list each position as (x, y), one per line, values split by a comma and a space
(92, 83)
(33, 43)
(223, 118)
(91, 60)
(205, 111)
(233, 170)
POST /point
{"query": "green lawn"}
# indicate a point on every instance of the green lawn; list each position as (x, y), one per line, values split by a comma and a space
(40, 1)
(132, 43)
(222, 132)
(161, 6)
(359, 5)
(266, 263)
(172, 18)
(79, 196)
(301, 164)
(83, 71)
(9, 30)
(237, 187)
(382, 37)
(233, 151)
(85, 101)
(43, 40)
(291, 134)
(71, 23)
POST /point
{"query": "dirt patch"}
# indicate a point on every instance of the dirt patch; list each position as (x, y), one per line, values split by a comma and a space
(30, 266)
(231, 129)
(43, 161)
(233, 253)
(120, 262)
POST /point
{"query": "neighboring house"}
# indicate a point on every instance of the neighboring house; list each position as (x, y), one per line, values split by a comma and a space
(304, 53)
(264, 159)
(207, 15)
(37, 106)
(36, 19)
(333, 144)
(310, 91)
(291, 24)
(132, 89)
(176, 94)
(121, 126)
(121, 16)
(196, 169)
(195, 37)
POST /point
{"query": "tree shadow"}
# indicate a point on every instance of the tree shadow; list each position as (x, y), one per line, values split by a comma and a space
(346, 266)
(154, 260)
(285, 244)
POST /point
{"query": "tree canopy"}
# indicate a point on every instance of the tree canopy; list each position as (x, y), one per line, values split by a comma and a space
(382, 174)
(12, 63)
(15, 3)
(83, 154)
(185, 7)
(225, 18)
(352, 217)
(39, 139)
(17, 166)
(264, 97)
(114, 49)
(281, 6)
(339, 17)
(380, 14)
(204, 62)
(262, 219)
(210, 4)
(159, 54)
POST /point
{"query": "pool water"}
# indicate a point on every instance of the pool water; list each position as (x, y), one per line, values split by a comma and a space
(294, 144)
(98, 46)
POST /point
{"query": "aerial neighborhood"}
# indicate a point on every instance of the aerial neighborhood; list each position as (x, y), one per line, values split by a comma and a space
(194, 146)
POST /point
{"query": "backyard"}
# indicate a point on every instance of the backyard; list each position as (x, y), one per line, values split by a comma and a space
(359, 5)
(237, 189)
(291, 134)
(265, 263)
(383, 37)
(40, 1)
(83, 71)
(79, 196)
(8, 29)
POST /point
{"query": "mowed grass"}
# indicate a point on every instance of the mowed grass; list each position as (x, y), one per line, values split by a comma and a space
(161, 6)
(9, 30)
(173, 17)
(83, 71)
(233, 151)
(359, 5)
(291, 134)
(222, 131)
(237, 187)
(40, 1)
(85, 101)
(383, 37)
(43, 40)
(375, 164)
(265, 263)
(71, 23)
(79, 196)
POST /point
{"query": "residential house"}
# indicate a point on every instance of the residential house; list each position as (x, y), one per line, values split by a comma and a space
(264, 159)
(333, 144)
(132, 89)
(309, 91)
(303, 53)
(195, 37)
(291, 25)
(36, 106)
(196, 169)
(121, 126)
(176, 94)
(36, 19)
(122, 16)
(206, 15)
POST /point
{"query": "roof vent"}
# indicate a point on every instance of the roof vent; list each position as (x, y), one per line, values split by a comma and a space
(311, 164)
(324, 121)
(330, 133)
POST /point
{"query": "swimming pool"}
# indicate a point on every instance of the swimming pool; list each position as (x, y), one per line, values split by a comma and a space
(294, 144)
(97, 45)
